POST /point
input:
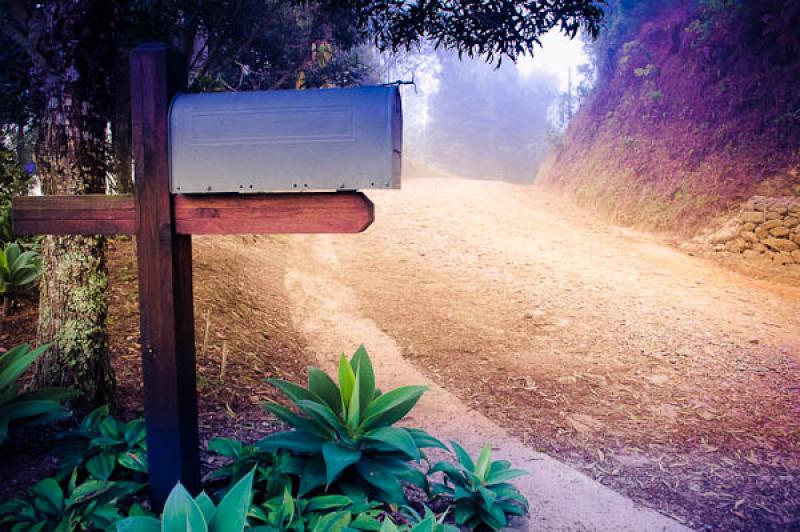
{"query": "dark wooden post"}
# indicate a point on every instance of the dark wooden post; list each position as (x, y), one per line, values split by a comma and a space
(165, 280)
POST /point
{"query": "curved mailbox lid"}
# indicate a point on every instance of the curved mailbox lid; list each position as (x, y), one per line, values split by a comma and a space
(278, 141)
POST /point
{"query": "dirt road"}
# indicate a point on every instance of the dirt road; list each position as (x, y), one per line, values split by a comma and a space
(661, 375)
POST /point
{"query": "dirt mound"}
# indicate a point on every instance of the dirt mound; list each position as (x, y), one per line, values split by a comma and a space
(698, 112)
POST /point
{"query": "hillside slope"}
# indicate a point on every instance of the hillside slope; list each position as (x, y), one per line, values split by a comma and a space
(698, 110)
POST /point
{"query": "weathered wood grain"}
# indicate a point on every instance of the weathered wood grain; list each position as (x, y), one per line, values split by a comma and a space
(165, 281)
(320, 212)
(92, 214)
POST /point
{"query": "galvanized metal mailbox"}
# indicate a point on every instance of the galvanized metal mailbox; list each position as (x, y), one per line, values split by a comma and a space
(278, 141)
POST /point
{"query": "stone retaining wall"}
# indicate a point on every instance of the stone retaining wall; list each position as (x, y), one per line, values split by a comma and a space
(766, 228)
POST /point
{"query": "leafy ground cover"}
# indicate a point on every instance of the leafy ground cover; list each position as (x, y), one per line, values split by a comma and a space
(344, 466)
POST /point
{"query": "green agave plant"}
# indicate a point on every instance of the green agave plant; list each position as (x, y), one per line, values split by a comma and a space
(108, 448)
(182, 513)
(482, 495)
(344, 434)
(19, 270)
(27, 408)
(46, 506)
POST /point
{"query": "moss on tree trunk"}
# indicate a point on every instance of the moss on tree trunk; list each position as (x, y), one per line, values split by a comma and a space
(72, 158)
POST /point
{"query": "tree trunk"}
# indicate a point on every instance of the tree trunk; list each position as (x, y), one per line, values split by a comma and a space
(71, 157)
(121, 128)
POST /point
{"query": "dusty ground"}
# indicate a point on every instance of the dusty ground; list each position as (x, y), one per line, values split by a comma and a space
(659, 374)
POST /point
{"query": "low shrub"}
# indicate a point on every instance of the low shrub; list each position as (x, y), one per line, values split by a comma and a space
(19, 271)
(481, 493)
(47, 506)
(344, 436)
(27, 408)
(106, 447)
(341, 469)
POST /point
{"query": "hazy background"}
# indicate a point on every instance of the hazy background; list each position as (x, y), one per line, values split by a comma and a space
(476, 120)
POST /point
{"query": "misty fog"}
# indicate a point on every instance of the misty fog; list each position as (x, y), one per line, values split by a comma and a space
(470, 118)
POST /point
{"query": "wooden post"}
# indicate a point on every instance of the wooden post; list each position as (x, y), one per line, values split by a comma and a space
(165, 281)
(163, 224)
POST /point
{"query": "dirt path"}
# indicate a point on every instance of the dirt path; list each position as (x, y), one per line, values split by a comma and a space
(659, 374)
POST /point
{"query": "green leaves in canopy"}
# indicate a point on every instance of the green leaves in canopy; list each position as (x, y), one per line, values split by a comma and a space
(343, 430)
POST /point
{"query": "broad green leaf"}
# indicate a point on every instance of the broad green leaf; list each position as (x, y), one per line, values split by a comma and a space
(354, 408)
(22, 408)
(362, 365)
(181, 513)
(385, 479)
(313, 476)
(488, 496)
(135, 432)
(333, 522)
(206, 505)
(87, 491)
(463, 513)
(425, 440)
(133, 460)
(504, 476)
(12, 354)
(295, 441)
(294, 392)
(463, 456)
(225, 447)
(484, 460)
(347, 381)
(321, 384)
(337, 459)
(50, 492)
(389, 526)
(100, 466)
(305, 424)
(323, 413)
(53, 394)
(391, 406)
(396, 438)
(450, 470)
(12, 252)
(231, 513)
(139, 523)
(328, 502)
(18, 364)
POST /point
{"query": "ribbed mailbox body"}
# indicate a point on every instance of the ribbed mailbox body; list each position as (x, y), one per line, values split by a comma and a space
(279, 141)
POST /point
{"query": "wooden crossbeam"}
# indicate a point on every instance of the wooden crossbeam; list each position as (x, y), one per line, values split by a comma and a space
(92, 214)
(207, 214)
(321, 212)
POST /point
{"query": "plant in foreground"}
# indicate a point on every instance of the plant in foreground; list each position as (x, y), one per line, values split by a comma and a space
(46, 506)
(482, 495)
(344, 434)
(19, 270)
(101, 443)
(271, 468)
(27, 408)
(199, 514)
(321, 513)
